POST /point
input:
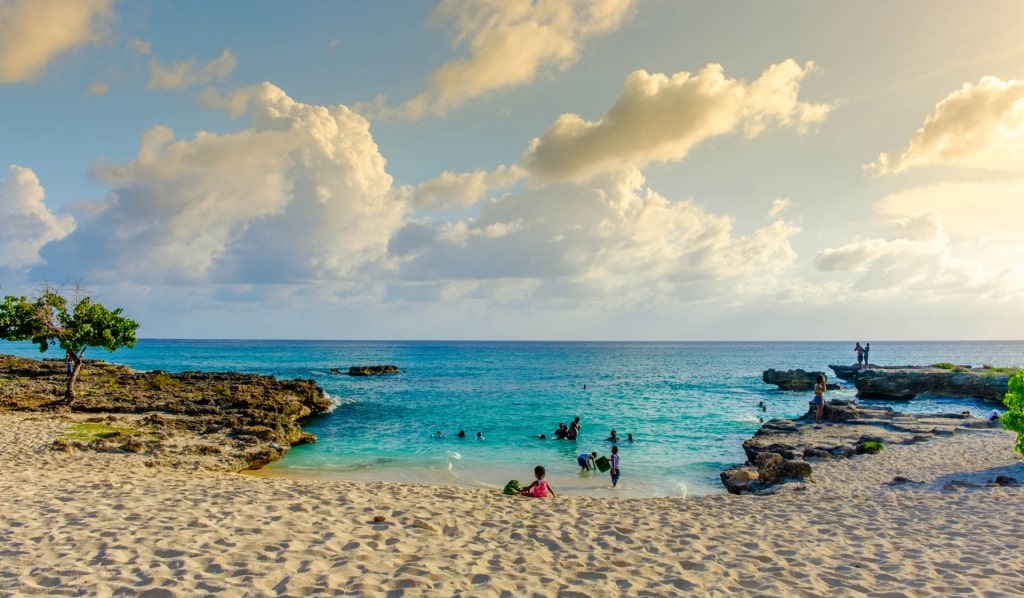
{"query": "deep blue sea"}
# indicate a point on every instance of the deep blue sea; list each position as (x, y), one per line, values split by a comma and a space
(689, 405)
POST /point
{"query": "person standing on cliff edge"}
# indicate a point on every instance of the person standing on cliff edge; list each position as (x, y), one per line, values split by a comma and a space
(867, 350)
(860, 354)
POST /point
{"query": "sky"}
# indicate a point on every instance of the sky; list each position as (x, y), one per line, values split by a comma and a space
(520, 169)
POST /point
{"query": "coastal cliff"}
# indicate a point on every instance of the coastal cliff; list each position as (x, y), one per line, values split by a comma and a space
(907, 382)
(218, 421)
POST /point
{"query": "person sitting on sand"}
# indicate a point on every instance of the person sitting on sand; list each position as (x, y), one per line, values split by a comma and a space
(539, 488)
(993, 416)
(586, 462)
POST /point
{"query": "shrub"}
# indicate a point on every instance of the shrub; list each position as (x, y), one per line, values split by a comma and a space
(162, 381)
(222, 390)
(1013, 419)
(944, 365)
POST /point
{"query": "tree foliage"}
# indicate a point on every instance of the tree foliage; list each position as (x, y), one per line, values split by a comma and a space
(1013, 419)
(74, 324)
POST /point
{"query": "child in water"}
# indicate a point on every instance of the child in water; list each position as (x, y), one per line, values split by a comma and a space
(539, 488)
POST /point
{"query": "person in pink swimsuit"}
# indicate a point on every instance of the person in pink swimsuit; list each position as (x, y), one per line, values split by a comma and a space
(539, 488)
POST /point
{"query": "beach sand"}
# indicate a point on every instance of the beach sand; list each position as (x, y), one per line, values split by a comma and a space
(98, 524)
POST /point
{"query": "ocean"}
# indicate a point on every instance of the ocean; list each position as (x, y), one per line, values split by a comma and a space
(689, 405)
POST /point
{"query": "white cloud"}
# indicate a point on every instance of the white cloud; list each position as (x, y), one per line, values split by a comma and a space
(611, 242)
(989, 211)
(33, 32)
(141, 46)
(302, 195)
(97, 88)
(27, 224)
(780, 205)
(510, 43)
(978, 126)
(660, 118)
(179, 75)
(920, 263)
(465, 189)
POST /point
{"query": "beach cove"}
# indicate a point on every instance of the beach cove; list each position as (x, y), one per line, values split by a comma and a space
(103, 524)
(690, 405)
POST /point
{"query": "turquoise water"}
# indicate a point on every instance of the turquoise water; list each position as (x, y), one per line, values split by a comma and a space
(690, 405)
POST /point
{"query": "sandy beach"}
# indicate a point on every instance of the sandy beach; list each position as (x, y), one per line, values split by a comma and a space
(98, 524)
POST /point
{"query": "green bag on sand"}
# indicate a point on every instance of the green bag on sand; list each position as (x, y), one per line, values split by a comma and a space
(512, 487)
(602, 464)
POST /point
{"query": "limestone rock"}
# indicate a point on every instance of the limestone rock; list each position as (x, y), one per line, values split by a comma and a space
(906, 382)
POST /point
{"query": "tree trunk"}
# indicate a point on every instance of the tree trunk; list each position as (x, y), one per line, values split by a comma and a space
(69, 393)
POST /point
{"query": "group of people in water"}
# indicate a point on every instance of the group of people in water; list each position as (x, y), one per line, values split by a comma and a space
(461, 434)
(587, 461)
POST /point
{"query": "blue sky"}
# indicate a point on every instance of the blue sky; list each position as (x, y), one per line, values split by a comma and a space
(484, 169)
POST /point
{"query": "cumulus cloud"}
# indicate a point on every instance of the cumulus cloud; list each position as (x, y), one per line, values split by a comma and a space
(613, 241)
(510, 42)
(27, 224)
(450, 189)
(33, 32)
(979, 211)
(141, 46)
(660, 118)
(97, 88)
(780, 205)
(179, 75)
(978, 126)
(920, 262)
(301, 195)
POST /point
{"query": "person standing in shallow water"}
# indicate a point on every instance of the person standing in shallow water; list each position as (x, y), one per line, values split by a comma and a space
(615, 466)
(819, 398)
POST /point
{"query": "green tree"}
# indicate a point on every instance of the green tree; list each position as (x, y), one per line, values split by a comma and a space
(74, 325)
(1013, 419)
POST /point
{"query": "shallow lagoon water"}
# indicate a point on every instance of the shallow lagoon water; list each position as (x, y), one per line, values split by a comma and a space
(690, 405)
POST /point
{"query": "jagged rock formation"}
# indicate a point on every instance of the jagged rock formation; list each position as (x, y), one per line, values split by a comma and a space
(906, 382)
(797, 379)
(224, 421)
(372, 370)
(847, 426)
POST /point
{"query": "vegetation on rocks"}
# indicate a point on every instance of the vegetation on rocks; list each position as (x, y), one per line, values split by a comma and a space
(224, 421)
(74, 325)
(1013, 419)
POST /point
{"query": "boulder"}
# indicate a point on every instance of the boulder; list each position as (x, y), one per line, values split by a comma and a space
(372, 370)
(795, 379)
(769, 467)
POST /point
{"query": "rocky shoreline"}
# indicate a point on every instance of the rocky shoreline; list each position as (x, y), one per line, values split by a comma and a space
(217, 421)
(781, 451)
(903, 383)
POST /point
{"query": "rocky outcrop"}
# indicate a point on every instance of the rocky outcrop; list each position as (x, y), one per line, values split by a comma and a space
(783, 450)
(372, 370)
(795, 379)
(226, 421)
(907, 382)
